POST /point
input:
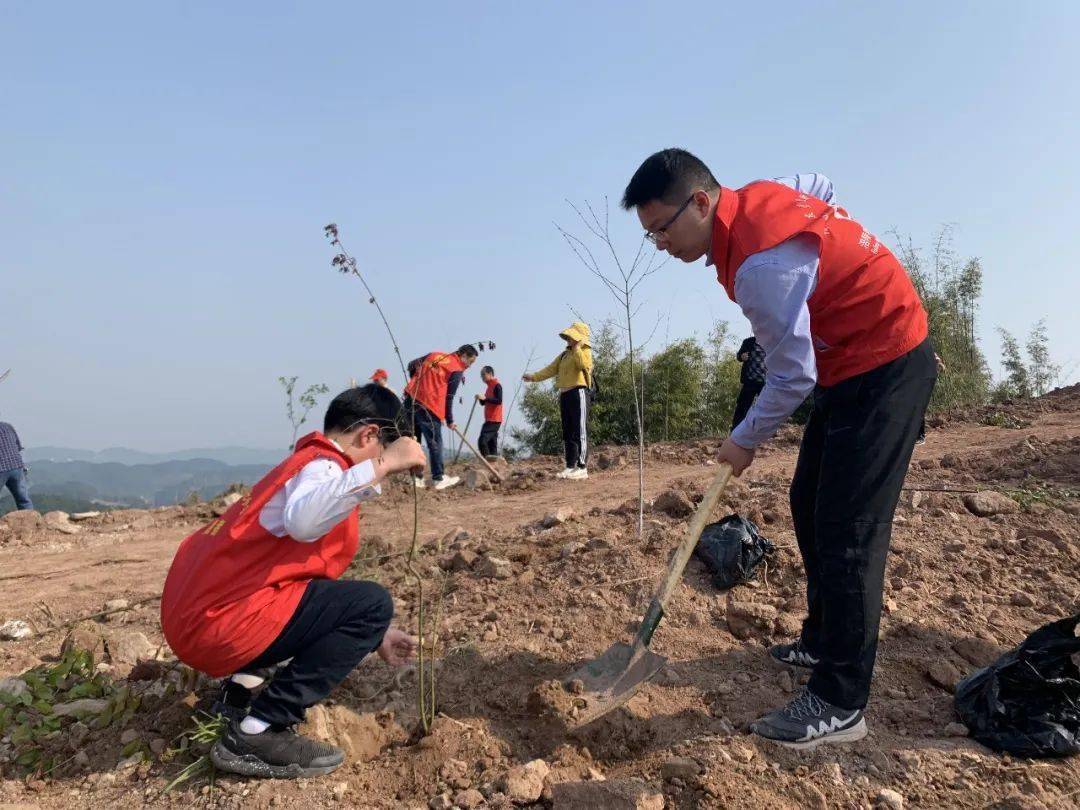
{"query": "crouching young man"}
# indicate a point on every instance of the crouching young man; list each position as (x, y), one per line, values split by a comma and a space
(258, 587)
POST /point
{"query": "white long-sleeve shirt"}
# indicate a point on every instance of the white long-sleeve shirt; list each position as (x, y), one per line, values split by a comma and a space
(772, 288)
(317, 499)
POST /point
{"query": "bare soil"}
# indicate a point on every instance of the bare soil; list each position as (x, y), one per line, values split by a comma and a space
(525, 604)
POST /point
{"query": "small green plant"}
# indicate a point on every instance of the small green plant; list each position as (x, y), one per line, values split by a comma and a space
(197, 740)
(1004, 420)
(1048, 494)
(306, 402)
(30, 722)
(345, 263)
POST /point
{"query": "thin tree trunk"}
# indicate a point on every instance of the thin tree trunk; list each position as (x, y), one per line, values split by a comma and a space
(640, 425)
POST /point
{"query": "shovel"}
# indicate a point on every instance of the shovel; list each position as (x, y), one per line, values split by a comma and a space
(475, 452)
(616, 676)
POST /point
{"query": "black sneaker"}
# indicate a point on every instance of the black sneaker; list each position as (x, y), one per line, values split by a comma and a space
(808, 721)
(274, 754)
(233, 702)
(793, 655)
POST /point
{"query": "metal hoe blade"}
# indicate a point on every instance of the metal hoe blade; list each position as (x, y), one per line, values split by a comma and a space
(612, 679)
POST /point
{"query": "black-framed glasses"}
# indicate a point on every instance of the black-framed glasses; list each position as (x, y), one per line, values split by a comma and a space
(662, 230)
(390, 430)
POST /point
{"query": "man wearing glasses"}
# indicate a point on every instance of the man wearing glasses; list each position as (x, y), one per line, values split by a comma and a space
(838, 316)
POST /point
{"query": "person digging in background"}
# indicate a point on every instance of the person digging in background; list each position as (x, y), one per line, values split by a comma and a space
(492, 400)
(429, 402)
(573, 372)
(836, 314)
(752, 378)
(259, 586)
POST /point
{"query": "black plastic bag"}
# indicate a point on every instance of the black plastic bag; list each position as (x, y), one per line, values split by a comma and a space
(732, 549)
(1028, 701)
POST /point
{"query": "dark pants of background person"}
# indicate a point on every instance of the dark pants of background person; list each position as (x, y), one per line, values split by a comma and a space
(747, 394)
(488, 444)
(854, 456)
(574, 410)
(336, 624)
(428, 427)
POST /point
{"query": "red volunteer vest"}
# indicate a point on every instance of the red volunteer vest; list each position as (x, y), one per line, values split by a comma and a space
(429, 385)
(864, 311)
(232, 586)
(492, 413)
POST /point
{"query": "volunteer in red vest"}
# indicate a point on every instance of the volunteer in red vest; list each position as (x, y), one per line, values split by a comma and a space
(492, 400)
(258, 586)
(429, 402)
(838, 317)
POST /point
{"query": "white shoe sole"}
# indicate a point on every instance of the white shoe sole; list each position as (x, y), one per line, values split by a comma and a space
(848, 735)
(446, 483)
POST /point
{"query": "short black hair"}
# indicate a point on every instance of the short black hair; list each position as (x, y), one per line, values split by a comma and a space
(366, 404)
(670, 176)
(468, 350)
(488, 370)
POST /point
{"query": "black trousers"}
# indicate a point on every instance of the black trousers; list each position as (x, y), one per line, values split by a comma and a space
(747, 394)
(488, 444)
(337, 623)
(574, 410)
(847, 482)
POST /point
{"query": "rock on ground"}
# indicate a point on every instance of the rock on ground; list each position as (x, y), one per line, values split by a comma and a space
(60, 522)
(82, 708)
(560, 516)
(87, 636)
(985, 504)
(524, 783)
(14, 629)
(977, 651)
(746, 619)
(477, 479)
(460, 561)
(944, 674)
(22, 521)
(890, 799)
(682, 768)
(16, 687)
(128, 646)
(495, 567)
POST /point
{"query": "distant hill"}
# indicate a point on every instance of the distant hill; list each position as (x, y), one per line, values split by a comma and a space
(160, 484)
(125, 455)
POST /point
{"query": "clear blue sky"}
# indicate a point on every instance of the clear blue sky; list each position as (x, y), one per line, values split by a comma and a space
(168, 168)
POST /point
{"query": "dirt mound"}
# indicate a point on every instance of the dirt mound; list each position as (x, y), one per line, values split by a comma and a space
(1033, 460)
(1013, 414)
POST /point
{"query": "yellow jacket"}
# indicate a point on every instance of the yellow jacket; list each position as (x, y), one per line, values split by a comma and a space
(573, 367)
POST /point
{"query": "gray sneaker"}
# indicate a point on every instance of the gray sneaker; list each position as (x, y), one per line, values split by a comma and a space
(793, 655)
(808, 721)
(273, 754)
